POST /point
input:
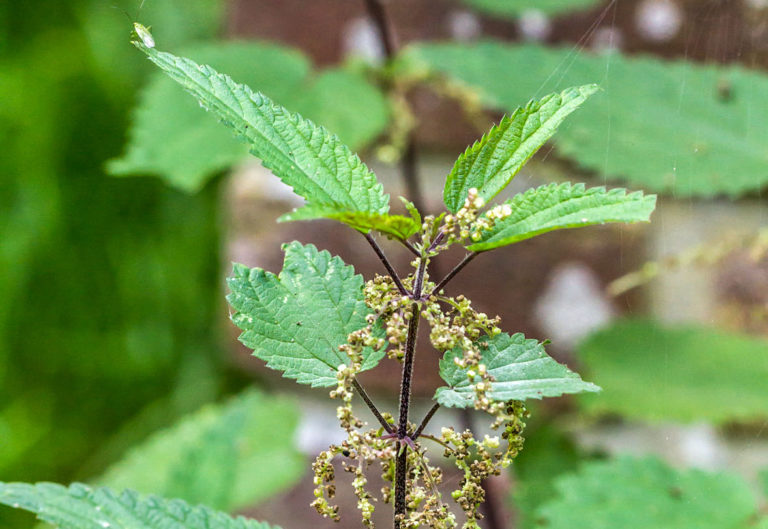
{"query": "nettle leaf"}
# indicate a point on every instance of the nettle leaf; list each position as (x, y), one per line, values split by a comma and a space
(514, 8)
(226, 456)
(684, 373)
(314, 162)
(173, 138)
(396, 226)
(666, 126)
(641, 493)
(559, 206)
(521, 367)
(81, 507)
(297, 320)
(494, 160)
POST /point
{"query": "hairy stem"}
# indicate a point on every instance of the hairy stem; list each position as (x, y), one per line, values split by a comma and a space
(361, 391)
(425, 421)
(401, 463)
(387, 264)
(464, 262)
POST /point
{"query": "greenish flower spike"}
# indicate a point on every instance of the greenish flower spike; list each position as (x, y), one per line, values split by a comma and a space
(494, 160)
(305, 156)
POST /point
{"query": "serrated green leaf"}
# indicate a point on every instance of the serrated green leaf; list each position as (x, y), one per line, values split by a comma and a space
(514, 8)
(521, 368)
(686, 373)
(396, 226)
(81, 507)
(297, 320)
(494, 160)
(559, 206)
(667, 126)
(173, 138)
(314, 162)
(642, 493)
(226, 456)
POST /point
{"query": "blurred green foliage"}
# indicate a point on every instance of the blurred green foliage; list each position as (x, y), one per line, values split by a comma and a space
(649, 371)
(514, 8)
(636, 493)
(699, 131)
(109, 288)
(226, 456)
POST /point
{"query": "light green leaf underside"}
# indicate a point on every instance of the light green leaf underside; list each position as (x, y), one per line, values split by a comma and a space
(226, 456)
(173, 138)
(686, 373)
(81, 507)
(558, 206)
(494, 160)
(670, 126)
(314, 162)
(643, 493)
(396, 226)
(513, 8)
(297, 320)
(522, 370)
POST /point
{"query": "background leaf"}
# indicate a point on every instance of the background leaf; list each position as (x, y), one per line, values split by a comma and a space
(641, 493)
(494, 160)
(685, 373)
(668, 126)
(226, 456)
(513, 8)
(173, 138)
(81, 507)
(314, 162)
(297, 320)
(558, 206)
(522, 370)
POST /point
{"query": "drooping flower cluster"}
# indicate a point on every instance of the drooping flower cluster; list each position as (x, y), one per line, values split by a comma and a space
(454, 326)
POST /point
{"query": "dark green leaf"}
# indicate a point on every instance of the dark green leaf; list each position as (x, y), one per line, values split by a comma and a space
(81, 507)
(558, 206)
(305, 156)
(297, 320)
(494, 160)
(193, 147)
(521, 367)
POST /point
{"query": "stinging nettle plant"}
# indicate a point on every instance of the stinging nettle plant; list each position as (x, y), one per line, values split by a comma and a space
(321, 324)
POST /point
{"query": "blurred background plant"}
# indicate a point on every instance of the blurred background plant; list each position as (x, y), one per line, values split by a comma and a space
(112, 322)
